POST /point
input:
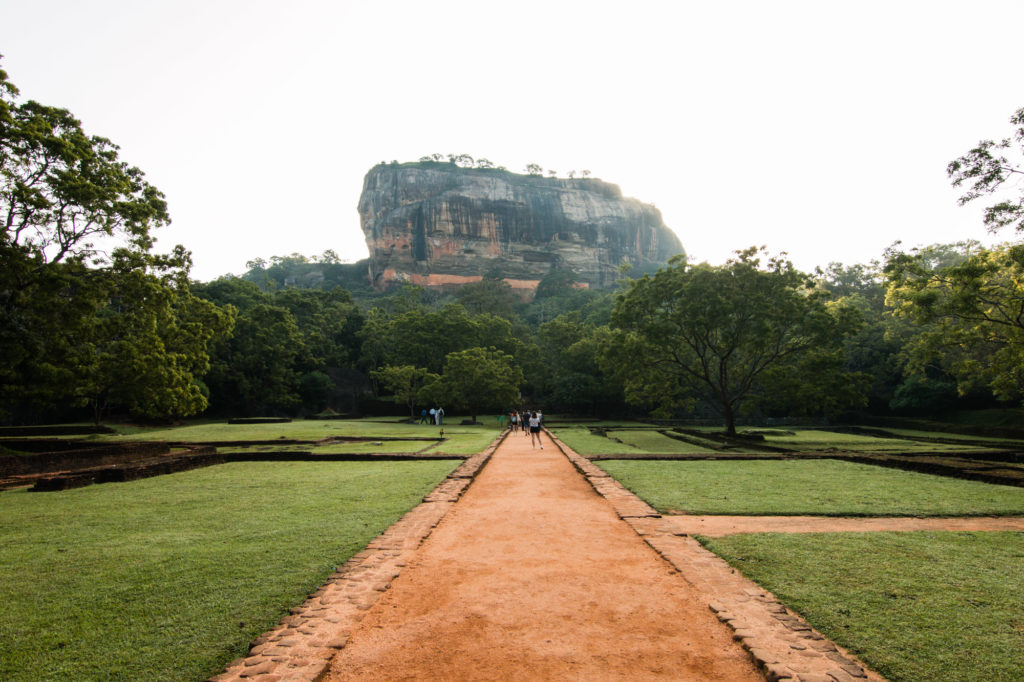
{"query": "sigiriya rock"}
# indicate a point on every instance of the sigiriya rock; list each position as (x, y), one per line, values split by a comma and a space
(441, 225)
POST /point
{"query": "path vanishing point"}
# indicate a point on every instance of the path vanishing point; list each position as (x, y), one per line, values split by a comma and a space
(544, 569)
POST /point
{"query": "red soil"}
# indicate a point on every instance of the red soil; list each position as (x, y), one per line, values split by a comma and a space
(532, 576)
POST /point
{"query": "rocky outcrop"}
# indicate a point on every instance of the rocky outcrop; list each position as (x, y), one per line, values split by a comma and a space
(439, 225)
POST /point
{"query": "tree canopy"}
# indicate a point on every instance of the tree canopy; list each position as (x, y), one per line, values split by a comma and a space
(475, 379)
(970, 311)
(61, 189)
(87, 314)
(727, 335)
(988, 170)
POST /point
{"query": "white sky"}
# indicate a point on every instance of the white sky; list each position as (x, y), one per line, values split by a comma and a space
(817, 128)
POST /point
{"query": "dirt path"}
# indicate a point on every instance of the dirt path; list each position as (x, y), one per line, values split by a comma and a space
(718, 526)
(533, 576)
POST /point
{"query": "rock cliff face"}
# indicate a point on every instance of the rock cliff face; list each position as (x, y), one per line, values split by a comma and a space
(439, 225)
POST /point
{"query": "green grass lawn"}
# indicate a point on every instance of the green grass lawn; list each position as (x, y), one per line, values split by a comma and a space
(915, 606)
(818, 487)
(819, 440)
(652, 441)
(460, 440)
(300, 429)
(998, 443)
(465, 440)
(584, 442)
(354, 447)
(169, 578)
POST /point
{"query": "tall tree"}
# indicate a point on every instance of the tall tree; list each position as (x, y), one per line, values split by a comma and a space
(721, 334)
(76, 323)
(61, 189)
(147, 344)
(405, 382)
(970, 313)
(255, 371)
(476, 379)
(570, 377)
(989, 170)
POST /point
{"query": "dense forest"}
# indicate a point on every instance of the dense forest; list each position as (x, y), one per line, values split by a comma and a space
(93, 324)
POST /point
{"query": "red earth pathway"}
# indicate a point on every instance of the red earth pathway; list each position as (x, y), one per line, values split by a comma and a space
(533, 576)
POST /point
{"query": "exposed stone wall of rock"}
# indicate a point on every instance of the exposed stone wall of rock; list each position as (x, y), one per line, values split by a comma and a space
(439, 225)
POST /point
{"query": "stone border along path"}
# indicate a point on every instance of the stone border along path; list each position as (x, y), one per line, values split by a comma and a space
(784, 646)
(301, 647)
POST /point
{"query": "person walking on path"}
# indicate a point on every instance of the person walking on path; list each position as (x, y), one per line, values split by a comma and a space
(535, 430)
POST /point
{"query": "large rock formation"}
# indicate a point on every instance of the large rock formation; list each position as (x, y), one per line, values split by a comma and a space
(440, 225)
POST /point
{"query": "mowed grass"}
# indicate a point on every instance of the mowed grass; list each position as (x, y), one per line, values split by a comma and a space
(353, 447)
(169, 578)
(652, 441)
(585, 442)
(459, 440)
(300, 429)
(811, 440)
(998, 443)
(914, 606)
(817, 487)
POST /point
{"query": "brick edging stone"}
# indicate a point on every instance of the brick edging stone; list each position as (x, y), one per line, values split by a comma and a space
(301, 647)
(783, 645)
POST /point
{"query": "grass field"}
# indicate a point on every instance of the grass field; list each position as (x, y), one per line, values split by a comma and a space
(819, 487)
(989, 440)
(652, 441)
(815, 440)
(583, 441)
(304, 429)
(354, 447)
(169, 578)
(459, 440)
(915, 606)
(648, 440)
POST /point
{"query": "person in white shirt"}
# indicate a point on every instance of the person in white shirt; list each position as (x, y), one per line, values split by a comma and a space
(535, 430)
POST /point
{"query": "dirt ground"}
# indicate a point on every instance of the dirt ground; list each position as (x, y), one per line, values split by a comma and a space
(532, 576)
(718, 526)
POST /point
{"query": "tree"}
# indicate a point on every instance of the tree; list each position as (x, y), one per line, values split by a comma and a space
(570, 377)
(45, 309)
(77, 324)
(256, 372)
(61, 189)
(876, 349)
(480, 378)
(147, 345)
(534, 169)
(721, 334)
(423, 337)
(987, 171)
(490, 295)
(406, 382)
(970, 311)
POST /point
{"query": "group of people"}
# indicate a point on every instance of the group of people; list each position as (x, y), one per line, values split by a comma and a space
(527, 422)
(434, 416)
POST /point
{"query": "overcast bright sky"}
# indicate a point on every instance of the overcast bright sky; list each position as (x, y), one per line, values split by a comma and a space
(817, 128)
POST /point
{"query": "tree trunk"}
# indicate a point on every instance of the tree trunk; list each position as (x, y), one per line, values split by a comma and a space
(730, 421)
